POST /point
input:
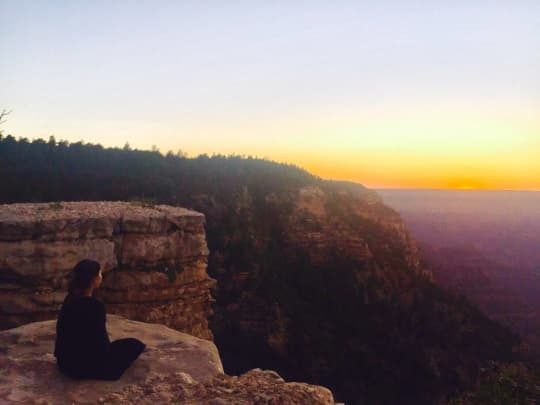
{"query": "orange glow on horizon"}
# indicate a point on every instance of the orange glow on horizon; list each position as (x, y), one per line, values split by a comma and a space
(488, 153)
(410, 173)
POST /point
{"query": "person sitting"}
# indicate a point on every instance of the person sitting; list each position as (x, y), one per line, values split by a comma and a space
(82, 346)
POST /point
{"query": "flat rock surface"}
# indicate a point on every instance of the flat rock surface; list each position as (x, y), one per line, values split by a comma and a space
(28, 372)
(94, 209)
(73, 220)
(175, 368)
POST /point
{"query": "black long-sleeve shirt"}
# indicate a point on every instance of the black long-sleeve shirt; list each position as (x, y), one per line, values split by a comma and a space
(83, 348)
(81, 334)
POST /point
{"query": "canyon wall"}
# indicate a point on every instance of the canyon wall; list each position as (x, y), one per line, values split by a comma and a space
(153, 258)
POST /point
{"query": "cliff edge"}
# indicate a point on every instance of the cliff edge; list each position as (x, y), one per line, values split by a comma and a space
(174, 368)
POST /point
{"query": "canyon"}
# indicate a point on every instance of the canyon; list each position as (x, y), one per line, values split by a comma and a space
(318, 280)
(483, 245)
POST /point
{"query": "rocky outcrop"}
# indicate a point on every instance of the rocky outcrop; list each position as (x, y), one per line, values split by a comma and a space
(153, 258)
(336, 219)
(174, 368)
(352, 219)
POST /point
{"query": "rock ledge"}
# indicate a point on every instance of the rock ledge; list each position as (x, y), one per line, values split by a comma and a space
(175, 368)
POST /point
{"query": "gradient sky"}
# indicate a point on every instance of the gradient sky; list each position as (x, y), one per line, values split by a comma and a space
(419, 94)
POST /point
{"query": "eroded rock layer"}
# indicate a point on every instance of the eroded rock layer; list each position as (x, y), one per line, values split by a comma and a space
(154, 261)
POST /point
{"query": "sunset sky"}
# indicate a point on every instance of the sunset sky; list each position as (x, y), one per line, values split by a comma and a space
(413, 94)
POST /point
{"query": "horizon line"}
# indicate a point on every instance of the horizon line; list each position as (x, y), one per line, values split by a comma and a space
(453, 189)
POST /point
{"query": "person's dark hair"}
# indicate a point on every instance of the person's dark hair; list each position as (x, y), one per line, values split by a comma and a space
(82, 276)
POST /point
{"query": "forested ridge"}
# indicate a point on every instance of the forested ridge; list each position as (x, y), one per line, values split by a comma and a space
(55, 171)
(373, 330)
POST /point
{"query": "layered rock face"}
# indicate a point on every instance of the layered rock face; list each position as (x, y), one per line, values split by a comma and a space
(153, 258)
(351, 219)
(346, 220)
(174, 368)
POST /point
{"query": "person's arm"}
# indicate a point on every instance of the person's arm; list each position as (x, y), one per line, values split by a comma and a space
(104, 330)
(98, 329)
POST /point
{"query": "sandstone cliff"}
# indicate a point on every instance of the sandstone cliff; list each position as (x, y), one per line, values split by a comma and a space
(346, 217)
(323, 283)
(337, 220)
(174, 368)
(154, 261)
